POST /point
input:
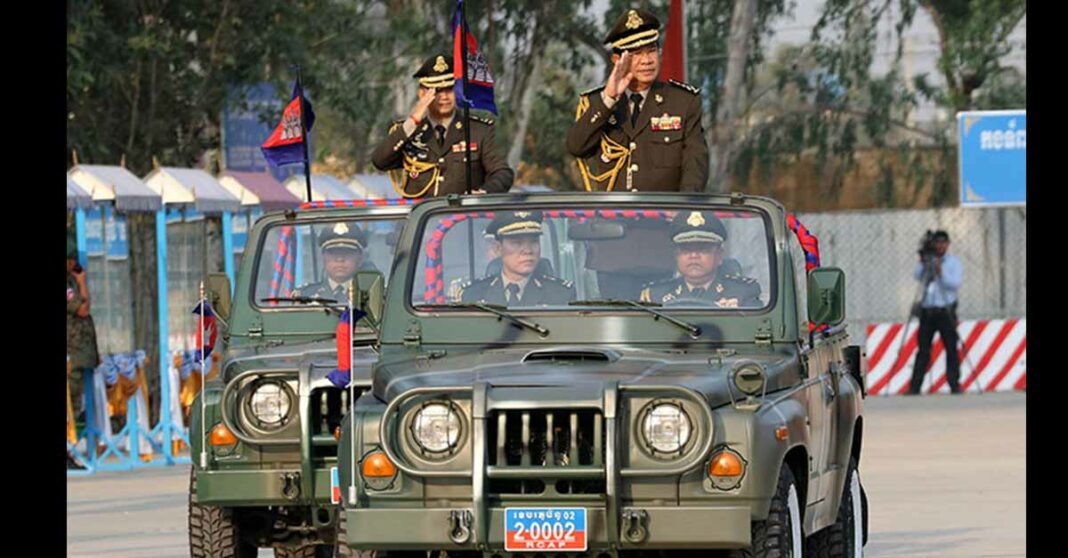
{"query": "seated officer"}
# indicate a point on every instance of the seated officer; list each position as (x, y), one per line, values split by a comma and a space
(342, 246)
(699, 239)
(520, 282)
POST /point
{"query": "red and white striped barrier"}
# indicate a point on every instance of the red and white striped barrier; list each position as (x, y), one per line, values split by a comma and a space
(994, 354)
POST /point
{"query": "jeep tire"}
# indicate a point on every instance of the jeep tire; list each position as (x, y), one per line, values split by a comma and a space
(341, 546)
(306, 551)
(778, 536)
(213, 533)
(845, 538)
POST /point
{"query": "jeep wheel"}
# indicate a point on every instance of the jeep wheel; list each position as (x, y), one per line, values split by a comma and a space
(846, 537)
(341, 546)
(212, 530)
(778, 536)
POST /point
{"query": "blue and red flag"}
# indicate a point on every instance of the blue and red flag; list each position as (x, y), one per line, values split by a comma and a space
(285, 146)
(341, 376)
(479, 80)
(205, 336)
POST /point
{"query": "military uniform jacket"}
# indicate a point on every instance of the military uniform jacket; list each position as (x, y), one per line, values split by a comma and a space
(540, 290)
(81, 333)
(729, 291)
(430, 169)
(322, 288)
(667, 150)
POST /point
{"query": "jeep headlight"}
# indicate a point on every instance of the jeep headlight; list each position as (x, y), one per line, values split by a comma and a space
(270, 404)
(666, 427)
(436, 427)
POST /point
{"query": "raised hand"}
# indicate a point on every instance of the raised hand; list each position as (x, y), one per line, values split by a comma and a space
(620, 77)
(426, 96)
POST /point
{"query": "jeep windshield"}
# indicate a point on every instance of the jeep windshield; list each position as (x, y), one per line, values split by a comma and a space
(595, 259)
(311, 264)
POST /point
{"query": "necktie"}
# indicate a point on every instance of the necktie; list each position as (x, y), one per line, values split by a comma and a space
(635, 108)
(698, 292)
(513, 292)
(440, 133)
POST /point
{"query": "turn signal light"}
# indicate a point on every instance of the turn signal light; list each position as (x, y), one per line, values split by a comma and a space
(377, 465)
(221, 436)
(337, 433)
(725, 464)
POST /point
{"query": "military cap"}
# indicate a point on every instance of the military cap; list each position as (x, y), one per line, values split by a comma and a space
(515, 223)
(436, 72)
(697, 226)
(634, 29)
(342, 236)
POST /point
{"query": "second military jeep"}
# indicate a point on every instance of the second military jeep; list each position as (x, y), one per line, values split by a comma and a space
(264, 445)
(607, 374)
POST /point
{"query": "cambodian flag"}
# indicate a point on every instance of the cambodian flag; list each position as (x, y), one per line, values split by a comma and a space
(479, 81)
(286, 144)
(341, 376)
(209, 331)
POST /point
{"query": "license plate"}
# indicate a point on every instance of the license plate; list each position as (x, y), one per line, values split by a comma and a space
(544, 529)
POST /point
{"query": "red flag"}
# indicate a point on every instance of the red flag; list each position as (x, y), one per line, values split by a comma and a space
(673, 63)
(286, 144)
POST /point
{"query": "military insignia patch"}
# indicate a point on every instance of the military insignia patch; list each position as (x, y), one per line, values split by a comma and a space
(659, 98)
(341, 228)
(634, 21)
(522, 214)
(695, 219)
(459, 125)
(459, 147)
(727, 302)
(719, 287)
(666, 122)
(440, 65)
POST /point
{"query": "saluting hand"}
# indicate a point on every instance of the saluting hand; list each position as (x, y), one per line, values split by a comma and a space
(620, 77)
(426, 96)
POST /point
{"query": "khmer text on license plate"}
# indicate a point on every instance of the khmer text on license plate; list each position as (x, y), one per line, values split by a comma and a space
(546, 529)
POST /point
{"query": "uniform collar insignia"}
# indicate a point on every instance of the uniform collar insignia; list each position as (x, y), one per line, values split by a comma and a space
(719, 287)
(659, 98)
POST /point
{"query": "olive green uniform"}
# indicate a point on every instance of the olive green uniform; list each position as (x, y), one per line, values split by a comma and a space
(664, 150)
(729, 291)
(427, 168)
(539, 290)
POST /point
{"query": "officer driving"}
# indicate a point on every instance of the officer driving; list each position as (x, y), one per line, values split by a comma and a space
(342, 246)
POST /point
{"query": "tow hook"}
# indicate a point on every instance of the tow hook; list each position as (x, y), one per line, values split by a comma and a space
(460, 526)
(291, 485)
(634, 525)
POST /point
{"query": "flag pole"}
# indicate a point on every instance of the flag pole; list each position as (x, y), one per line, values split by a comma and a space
(467, 100)
(203, 381)
(304, 136)
(352, 400)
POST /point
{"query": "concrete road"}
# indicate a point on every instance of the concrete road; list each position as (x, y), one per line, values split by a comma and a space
(945, 477)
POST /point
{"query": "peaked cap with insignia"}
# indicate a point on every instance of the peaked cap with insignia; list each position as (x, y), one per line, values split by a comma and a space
(343, 236)
(436, 72)
(635, 28)
(515, 223)
(697, 226)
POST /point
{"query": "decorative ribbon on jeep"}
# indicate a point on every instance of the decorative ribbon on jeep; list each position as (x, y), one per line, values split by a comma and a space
(284, 263)
(810, 245)
(357, 203)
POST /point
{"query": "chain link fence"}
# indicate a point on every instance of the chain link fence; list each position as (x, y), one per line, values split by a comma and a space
(877, 250)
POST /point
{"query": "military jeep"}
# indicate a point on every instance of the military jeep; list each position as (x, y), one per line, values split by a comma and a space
(264, 445)
(606, 374)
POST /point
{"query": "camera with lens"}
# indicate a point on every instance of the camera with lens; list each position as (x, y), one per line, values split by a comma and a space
(927, 246)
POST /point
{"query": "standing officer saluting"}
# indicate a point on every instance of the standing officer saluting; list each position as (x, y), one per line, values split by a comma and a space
(428, 146)
(635, 132)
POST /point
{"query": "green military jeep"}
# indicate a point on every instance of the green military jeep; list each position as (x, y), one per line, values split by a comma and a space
(606, 374)
(265, 442)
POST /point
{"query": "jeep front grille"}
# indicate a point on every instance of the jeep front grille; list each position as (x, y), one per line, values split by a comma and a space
(564, 448)
(328, 406)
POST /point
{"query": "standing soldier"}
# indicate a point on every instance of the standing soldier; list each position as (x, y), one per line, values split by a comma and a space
(635, 132)
(428, 146)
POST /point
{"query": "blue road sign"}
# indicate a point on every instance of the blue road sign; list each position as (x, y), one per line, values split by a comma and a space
(993, 158)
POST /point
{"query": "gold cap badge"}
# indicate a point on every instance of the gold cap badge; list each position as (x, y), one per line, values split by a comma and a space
(522, 214)
(634, 20)
(440, 65)
(341, 228)
(695, 219)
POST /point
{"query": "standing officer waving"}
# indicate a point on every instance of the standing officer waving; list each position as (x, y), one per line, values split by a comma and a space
(636, 132)
(427, 148)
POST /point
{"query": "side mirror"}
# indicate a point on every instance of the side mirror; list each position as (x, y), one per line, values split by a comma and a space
(369, 294)
(218, 288)
(826, 296)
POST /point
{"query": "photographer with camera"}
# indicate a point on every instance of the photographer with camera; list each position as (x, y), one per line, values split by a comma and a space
(941, 274)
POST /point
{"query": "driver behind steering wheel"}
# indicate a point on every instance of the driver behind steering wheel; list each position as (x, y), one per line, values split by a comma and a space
(699, 253)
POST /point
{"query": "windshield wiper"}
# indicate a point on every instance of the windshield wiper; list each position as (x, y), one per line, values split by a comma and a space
(643, 306)
(493, 309)
(300, 299)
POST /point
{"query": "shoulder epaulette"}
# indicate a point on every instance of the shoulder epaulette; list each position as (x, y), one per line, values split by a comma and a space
(482, 119)
(395, 124)
(590, 91)
(686, 86)
(557, 280)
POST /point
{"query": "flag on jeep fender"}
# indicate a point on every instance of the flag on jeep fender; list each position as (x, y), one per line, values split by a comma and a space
(209, 331)
(285, 146)
(341, 376)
